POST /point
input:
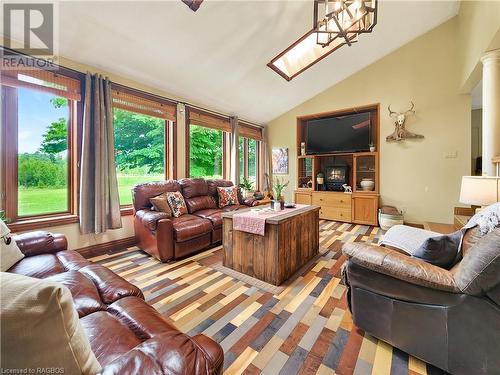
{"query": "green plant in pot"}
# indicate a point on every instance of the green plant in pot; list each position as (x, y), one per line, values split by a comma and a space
(247, 186)
(279, 186)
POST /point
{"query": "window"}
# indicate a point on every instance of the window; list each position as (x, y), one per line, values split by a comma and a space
(206, 152)
(143, 130)
(249, 153)
(40, 116)
(208, 139)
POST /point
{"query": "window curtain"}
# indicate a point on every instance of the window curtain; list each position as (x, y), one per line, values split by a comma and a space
(181, 125)
(264, 164)
(235, 151)
(99, 201)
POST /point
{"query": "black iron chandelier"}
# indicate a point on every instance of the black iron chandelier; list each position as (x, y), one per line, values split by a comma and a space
(336, 23)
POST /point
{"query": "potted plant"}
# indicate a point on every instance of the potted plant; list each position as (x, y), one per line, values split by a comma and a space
(279, 186)
(372, 147)
(320, 178)
(247, 186)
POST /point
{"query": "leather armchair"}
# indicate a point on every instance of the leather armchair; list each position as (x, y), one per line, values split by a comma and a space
(127, 335)
(449, 318)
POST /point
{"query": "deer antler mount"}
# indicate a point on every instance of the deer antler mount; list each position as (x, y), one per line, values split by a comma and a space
(400, 133)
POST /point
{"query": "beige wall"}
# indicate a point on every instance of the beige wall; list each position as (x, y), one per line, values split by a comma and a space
(478, 32)
(416, 176)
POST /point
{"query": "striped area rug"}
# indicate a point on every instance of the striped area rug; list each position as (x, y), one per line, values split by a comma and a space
(305, 329)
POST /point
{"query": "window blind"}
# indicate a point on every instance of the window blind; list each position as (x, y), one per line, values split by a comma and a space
(250, 131)
(139, 104)
(43, 80)
(197, 117)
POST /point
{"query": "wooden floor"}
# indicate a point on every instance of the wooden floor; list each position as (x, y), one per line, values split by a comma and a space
(306, 329)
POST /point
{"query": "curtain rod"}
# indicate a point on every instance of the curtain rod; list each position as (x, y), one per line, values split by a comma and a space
(139, 90)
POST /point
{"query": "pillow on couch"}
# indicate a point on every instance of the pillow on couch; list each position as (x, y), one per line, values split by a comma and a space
(40, 327)
(227, 196)
(160, 204)
(9, 252)
(177, 204)
(441, 251)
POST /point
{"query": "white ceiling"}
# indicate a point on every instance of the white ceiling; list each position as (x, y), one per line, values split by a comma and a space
(217, 56)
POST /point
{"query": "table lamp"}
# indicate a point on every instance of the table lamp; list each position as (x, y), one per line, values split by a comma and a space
(480, 190)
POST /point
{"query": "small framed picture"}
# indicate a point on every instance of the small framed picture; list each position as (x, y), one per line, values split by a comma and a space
(280, 160)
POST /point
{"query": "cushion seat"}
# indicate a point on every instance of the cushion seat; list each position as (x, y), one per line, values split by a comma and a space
(150, 218)
(214, 215)
(189, 226)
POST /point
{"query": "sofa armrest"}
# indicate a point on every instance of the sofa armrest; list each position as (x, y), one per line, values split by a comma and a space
(40, 242)
(400, 266)
(167, 354)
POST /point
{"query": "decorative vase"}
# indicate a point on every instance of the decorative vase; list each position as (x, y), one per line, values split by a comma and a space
(372, 148)
(320, 180)
(367, 184)
(302, 148)
(277, 206)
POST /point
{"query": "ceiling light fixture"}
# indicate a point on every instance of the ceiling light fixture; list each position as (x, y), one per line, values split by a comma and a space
(336, 23)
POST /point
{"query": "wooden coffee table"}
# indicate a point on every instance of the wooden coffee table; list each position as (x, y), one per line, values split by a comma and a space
(290, 241)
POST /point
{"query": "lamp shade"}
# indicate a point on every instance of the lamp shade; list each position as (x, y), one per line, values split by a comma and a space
(480, 190)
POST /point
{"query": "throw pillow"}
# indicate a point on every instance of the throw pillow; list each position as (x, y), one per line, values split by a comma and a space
(441, 251)
(40, 327)
(160, 204)
(9, 252)
(177, 204)
(227, 196)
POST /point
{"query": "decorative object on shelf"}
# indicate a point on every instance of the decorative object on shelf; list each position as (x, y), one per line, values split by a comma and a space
(320, 180)
(280, 160)
(389, 216)
(247, 186)
(335, 23)
(303, 148)
(400, 133)
(347, 189)
(309, 184)
(372, 147)
(367, 184)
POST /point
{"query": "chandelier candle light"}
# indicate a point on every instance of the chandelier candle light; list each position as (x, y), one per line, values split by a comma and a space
(335, 23)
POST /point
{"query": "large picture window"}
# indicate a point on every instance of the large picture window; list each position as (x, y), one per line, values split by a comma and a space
(249, 153)
(208, 139)
(39, 122)
(143, 130)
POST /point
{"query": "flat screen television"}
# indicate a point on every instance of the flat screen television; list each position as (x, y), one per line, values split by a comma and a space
(349, 133)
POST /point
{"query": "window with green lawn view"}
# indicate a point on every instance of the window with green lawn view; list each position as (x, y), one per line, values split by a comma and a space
(206, 152)
(42, 142)
(140, 150)
(248, 160)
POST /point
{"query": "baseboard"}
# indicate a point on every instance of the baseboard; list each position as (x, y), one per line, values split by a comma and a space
(421, 226)
(107, 247)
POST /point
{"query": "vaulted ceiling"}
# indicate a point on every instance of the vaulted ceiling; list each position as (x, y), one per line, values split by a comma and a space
(217, 56)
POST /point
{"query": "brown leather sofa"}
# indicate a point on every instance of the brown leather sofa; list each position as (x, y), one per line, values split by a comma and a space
(448, 318)
(126, 334)
(167, 238)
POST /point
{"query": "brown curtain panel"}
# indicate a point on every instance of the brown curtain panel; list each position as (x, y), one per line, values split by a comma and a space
(99, 201)
(264, 163)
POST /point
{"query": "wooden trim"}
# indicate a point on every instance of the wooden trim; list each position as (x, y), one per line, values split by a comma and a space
(209, 120)
(250, 131)
(107, 247)
(9, 96)
(45, 222)
(338, 112)
(127, 210)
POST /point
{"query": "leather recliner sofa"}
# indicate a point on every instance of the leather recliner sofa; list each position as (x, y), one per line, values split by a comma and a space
(448, 318)
(126, 334)
(167, 238)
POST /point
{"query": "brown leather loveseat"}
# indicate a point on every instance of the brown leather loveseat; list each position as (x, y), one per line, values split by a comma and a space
(449, 318)
(126, 334)
(167, 238)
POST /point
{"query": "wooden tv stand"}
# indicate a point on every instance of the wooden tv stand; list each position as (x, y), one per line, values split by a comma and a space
(360, 207)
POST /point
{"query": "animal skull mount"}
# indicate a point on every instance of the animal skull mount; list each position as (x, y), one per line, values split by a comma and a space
(400, 133)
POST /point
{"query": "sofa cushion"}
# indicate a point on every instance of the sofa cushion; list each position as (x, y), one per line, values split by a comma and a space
(177, 204)
(214, 215)
(189, 226)
(40, 327)
(227, 196)
(200, 203)
(142, 193)
(9, 252)
(193, 187)
(150, 218)
(442, 251)
(479, 270)
(38, 266)
(85, 295)
(160, 204)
